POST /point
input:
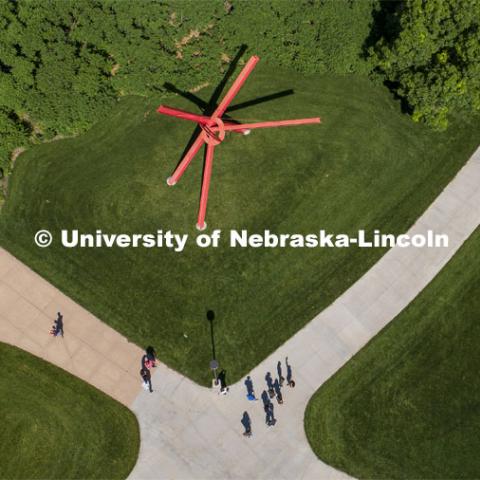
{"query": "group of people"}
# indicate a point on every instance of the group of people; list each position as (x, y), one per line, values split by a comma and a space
(274, 387)
(273, 391)
(149, 361)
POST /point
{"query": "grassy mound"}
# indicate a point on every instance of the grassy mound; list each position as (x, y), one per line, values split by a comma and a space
(367, 166)
(408, 405)
(56, 426)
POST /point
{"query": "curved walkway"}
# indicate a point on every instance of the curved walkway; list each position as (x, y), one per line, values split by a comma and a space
(190, 432)
(91, 350)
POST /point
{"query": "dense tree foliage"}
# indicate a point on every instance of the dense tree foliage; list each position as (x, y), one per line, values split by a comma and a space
(63, 63)
(431, 56)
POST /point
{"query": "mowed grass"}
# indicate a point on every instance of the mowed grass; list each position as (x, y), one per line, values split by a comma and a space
(367, 166)
(408, 405)
(55, 426)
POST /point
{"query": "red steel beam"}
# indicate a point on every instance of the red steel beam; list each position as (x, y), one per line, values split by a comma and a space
(236, 86)
(199, 141)
(207, 173)
(212, 125)
(276, 123)
(176, 112)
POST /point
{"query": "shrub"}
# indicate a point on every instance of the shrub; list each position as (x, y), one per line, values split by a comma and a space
(433, 60)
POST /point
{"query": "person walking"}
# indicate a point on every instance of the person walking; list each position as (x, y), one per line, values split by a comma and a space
(278, 391)
(269, 417)
(147, 379)
(147, 362)
(249, 386)
(222, 378)
(247, 424)
(151, 356)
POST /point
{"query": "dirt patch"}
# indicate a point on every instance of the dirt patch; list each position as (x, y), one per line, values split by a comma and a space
(34, 127)
(199, 87)
(16, 153)
(114, 69)
(192, 35)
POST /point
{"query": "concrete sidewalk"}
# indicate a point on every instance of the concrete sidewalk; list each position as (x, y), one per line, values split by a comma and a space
(91, 350)
(188, 432)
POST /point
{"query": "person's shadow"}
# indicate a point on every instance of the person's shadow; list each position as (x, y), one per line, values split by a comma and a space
(290, 381)
(59, 330)
(276, 387)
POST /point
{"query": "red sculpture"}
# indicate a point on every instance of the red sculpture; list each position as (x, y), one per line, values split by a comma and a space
(213, 133)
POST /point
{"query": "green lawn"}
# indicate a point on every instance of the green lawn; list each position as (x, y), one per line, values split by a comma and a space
(54, 426)
(408, 405)
(367, 166)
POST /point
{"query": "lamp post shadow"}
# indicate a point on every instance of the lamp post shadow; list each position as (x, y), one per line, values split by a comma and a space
(211, 318)
(219, 378)
(213, 363)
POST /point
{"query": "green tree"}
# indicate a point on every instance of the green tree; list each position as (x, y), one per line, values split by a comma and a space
(433, 63)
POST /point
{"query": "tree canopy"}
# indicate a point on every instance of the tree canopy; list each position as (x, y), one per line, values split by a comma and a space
(63, 63)
(433, 62)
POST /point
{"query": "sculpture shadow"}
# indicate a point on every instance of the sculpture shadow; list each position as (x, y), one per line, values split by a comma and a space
(208, 107)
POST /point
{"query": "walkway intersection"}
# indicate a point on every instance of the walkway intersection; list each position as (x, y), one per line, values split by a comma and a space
(191, 432)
